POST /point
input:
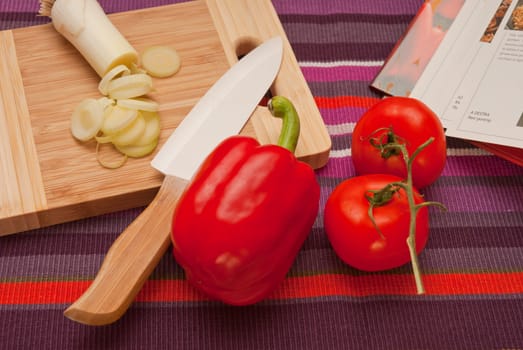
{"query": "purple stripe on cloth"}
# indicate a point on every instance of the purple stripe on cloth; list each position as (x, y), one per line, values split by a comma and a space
(316, 7)
(475, 198)
(455, 236)
(19, 6)
(379, 19)
(343, 32)
(65, 267)
(451, 231)
(111, 6)
(513, 181)
(13, 20)
(455, 166)
(444, 222)
(499, 252)
(448, 260)
(347, 87)
(480, 166)
(282, 6)
(452, 181)
(338, 323)
(33, 267)
(326, 52)
(467, 260)
(56, 243)
(108, 5)
(483, 168)
(341, 142)
(329, 74)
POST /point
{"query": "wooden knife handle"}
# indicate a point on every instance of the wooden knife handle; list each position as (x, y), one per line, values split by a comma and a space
(130, 260)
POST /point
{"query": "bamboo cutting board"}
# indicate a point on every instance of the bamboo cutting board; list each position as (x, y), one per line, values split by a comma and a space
(47, 177)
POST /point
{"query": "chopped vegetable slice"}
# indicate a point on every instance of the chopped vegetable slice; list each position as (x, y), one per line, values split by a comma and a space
(87, 119)
(107, 164)
(160, 61)
(130, 86)
(152, 129)
(117, 119)
(120, 70)
(138, 151)
(140, 103)
(131, 133)
(104, 138)
(106, 102)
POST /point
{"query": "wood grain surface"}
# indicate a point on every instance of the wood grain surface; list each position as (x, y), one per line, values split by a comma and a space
(47, 177)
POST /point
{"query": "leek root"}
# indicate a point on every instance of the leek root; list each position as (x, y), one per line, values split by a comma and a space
(86, 26)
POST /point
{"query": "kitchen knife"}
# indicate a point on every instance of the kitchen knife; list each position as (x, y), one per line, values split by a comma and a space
(220, 113)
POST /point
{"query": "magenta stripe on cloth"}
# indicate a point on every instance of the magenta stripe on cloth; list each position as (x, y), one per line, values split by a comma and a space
(336, 116)
(108, 5)
(341, 72)
(475, 199)
(453, 167)
(307, 7)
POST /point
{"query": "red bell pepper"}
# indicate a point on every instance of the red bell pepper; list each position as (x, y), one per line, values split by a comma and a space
(243, 218)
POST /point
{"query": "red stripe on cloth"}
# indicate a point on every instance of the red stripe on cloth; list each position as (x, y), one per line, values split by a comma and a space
(345, 101)
(55, 292)
(375, 284)
(60, 292)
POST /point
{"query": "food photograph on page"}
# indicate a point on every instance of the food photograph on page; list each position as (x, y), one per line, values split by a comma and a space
(494, 23)
(516, 17)
(411, 54)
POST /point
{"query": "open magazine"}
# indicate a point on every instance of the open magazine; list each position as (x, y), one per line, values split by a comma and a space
(464, 59)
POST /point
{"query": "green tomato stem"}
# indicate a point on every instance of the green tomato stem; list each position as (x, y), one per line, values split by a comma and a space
(388, 146)
(411, 239)
(281, 107)
(409, 189)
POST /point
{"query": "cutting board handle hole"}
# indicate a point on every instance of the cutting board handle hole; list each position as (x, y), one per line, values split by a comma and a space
(243, 46)
(265, 99)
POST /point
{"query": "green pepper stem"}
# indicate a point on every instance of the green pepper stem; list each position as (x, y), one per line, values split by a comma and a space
(281, 107)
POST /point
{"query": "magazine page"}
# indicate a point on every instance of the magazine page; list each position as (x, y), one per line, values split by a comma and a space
(473, 82)
(422, 40)
(464, 59)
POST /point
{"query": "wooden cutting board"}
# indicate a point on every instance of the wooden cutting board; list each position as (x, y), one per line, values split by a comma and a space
(46, 177)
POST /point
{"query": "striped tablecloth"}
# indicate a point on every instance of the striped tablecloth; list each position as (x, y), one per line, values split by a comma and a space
(473, 263)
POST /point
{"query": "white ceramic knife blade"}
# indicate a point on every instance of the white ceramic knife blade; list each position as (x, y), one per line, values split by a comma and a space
(220, 113)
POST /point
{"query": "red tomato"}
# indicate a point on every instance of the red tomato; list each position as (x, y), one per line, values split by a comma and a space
(414, 123)
(352, 233)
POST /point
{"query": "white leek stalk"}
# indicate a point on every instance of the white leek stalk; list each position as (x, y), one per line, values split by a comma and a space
(86, 26)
